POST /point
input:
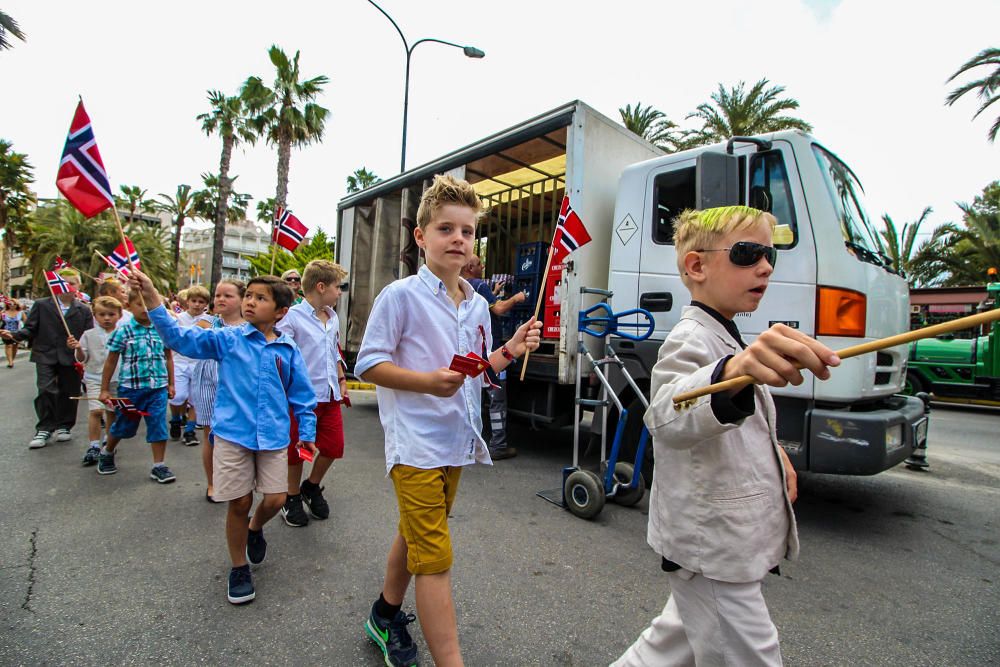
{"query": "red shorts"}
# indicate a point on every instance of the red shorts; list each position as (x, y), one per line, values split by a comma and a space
(329, 433)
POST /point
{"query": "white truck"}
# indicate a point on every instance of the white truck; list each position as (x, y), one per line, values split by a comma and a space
(831, 280)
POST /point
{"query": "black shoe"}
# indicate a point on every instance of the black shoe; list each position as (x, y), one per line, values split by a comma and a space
(312, 494)
(393, 638)
(106, 464)
(292, 512)
(162, 474)
(256, 546)
(175, 429)
(90, 458)
(240, 585)
(501, 453)
(190, 438)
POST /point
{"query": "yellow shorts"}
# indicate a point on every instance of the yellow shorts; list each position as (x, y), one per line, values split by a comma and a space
(425, 498)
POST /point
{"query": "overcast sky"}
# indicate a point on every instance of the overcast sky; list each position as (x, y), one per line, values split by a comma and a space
(870, 76)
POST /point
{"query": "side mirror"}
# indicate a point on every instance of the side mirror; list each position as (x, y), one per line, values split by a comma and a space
(717, 180)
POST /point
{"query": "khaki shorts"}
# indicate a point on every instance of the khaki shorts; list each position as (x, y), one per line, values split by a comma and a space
(94, 392)
(237, 471)
(425, 498)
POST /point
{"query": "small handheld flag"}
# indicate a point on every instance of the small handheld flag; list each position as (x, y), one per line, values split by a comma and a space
(124, 255)
(289, 231)
(60, 263)
(82, 178)
(127, 407)
(570, 233)
(57, 284)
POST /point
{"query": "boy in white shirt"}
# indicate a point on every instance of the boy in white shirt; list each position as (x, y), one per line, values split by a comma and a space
(92, 350)
(181, 414)
(314, 327)
(430, 414)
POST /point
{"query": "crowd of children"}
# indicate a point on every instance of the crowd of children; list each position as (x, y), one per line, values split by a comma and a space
(266, 380)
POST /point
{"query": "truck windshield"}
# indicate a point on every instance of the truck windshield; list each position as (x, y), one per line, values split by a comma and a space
(847, 196)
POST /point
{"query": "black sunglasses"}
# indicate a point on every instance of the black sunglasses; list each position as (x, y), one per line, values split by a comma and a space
(293, 279)
(748, 253)
(344, 286)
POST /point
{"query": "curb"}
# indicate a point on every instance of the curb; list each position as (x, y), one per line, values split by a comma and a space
(360, 386)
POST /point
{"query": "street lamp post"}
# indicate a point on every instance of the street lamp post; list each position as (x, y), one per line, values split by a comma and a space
(469, 51)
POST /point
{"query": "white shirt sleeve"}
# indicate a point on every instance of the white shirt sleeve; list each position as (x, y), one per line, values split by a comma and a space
(382, 332)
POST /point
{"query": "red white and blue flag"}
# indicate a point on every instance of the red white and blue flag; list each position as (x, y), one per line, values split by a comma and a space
(570, 233)
(58, 284)
(124, 255)
(82, 178)
(60, 263)
(127, 407)
(289, 231)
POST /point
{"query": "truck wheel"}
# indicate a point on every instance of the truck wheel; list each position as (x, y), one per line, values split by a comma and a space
(914, 384)
(584, 494)
(623, 475)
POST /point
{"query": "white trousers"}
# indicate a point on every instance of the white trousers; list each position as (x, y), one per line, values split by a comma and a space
(707, 623)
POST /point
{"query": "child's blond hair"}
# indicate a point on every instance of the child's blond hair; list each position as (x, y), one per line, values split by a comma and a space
(69, 273)
(698, 230)
(322, 271)
(107, 303)
(197, 292)
(447, 189)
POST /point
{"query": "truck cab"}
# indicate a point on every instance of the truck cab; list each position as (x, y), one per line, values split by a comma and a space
(831, 281)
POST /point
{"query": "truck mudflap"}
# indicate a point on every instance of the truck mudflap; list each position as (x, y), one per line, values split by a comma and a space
(865, 443)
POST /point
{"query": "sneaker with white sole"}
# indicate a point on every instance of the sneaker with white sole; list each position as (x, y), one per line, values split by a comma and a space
(63, 435)
(40, 440)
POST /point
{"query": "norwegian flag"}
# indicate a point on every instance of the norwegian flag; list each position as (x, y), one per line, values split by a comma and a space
(60, 263)
(58, 284)
(82, 178)
(123, 255)
(288, 230)
(570, 233)
(127, 407)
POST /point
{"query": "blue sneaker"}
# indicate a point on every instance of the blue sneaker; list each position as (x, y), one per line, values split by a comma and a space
(106, 464)
(91, 456)
(392, 637)
(162, 474)
(240, 585)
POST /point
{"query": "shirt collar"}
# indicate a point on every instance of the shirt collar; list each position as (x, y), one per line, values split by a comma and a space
(727, 323)
(249, 330)
(436, 285)
(307, 309)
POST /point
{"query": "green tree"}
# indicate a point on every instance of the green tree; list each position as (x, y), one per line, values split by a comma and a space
(319, 247)
(961, 254)
(133, 199)
(360, 180)
(56, 228)
(285, 112)
(265, 211)
(228, 118)
(15, 200)
(180, 207)
(900, 246)
(652, 125)
(736, 112)
(8, 26)
(987, 87)
(206, 201)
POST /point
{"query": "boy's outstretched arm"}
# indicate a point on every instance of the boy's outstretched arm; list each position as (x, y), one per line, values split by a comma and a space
(192, 342)
(527, 337)
(772, 358)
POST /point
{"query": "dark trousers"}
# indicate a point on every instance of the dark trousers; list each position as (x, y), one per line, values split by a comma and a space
(494, 412)
(56, 386)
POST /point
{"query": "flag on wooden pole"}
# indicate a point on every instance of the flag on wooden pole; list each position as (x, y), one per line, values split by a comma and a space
(58, 284)
(82, 178)
(289, 231)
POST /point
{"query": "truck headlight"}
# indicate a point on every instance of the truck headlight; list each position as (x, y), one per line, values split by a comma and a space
(894, 437)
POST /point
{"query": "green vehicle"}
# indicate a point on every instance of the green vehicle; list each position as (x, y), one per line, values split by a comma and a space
(963, 370)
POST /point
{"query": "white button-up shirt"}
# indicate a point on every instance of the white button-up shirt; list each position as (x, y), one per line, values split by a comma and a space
(414, 324)
(317, 341)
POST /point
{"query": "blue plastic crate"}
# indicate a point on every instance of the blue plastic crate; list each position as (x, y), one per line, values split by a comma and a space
(531, 258)
(529, 285)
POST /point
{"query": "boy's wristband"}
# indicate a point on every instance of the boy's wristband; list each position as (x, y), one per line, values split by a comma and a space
(506, 353)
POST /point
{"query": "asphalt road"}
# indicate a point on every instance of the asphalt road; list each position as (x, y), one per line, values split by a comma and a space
(898, 569)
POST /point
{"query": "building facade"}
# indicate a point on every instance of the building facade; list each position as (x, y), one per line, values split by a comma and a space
(243, 240)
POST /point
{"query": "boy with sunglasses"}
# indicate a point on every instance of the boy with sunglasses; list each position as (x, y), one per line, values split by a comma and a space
(720, 511)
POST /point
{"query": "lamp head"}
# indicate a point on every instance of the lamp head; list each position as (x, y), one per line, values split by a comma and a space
(473, 52)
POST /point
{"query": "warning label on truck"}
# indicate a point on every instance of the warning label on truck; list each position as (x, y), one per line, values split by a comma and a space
(626, 229)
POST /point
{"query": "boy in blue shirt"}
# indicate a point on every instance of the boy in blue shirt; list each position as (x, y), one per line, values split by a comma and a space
(261, 374)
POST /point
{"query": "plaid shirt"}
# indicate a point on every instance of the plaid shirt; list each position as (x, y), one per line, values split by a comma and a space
(143, 363)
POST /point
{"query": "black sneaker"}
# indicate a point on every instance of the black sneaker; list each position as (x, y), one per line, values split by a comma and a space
(501, 453)
(162, 474)
(256, 546)
(240, 585)
(190, 438)
(292, 512)
(91, 456)
(175, 429)
(393, 639)
(106, 464)
(312, 494)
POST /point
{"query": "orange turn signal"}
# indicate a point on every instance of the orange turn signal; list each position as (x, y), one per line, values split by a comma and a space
(840, 312)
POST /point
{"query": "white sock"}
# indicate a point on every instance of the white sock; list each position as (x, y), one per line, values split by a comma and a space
(95, 444)
(161, 464)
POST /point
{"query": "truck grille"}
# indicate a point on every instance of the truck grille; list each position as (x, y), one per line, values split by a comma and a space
(887, 369)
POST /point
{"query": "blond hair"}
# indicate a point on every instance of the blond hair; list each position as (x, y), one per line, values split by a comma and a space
(197, 292)
(322, 271)
(446, 189)
(69, 273)
(107, 303)
(696, 230)
(108, 287)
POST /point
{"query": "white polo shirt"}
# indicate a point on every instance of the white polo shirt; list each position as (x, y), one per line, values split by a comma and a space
(414, 324)
(317, 341)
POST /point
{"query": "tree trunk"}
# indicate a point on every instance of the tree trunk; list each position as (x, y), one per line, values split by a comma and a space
(284, 158)
(5, 277)
(178, 228)
(221, 209)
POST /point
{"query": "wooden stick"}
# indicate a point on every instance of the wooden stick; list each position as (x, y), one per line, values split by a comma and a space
(274, 255)
(538, 302)
(110, 265)
(856, 350)
(55, 302)
(128, 255)
(84, 398)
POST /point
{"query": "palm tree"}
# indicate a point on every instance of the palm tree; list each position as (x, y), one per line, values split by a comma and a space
(900, 247)
(180, 207)
(265, 211)
(739, 112)
(133, 199)
(228, 118)
(9, 25)
(988, 86)
(286, 113)
(206, 200)
(15, 200)
(360, 180)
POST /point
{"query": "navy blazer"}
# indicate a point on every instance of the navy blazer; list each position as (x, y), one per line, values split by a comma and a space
(48, 335)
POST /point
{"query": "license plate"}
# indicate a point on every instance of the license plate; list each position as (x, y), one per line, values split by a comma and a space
(920, 431)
